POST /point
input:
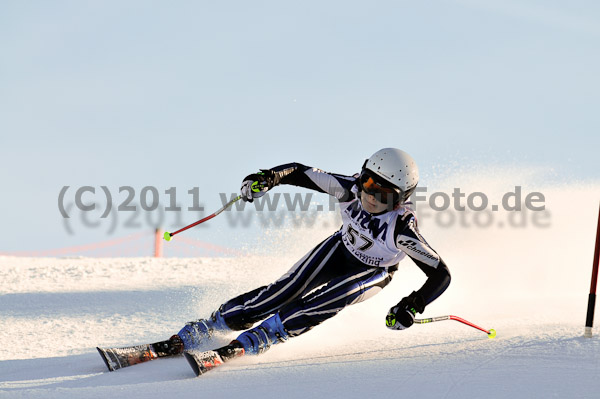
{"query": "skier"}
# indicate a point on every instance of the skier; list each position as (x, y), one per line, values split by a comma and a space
(350, 266)
(353, 264)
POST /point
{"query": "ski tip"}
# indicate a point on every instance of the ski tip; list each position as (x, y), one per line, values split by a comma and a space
(103, 355)
(192, 361)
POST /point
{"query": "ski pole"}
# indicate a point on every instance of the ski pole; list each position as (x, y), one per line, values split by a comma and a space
(491, 332)
(167, 236)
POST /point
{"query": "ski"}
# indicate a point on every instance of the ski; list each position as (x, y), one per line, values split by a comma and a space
(201, 362)
(118, 358)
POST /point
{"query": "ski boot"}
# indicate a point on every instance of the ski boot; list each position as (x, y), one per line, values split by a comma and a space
(259, 339)
(196, 333)
(254, 341)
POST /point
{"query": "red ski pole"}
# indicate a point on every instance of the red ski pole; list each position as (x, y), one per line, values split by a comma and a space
(167, 236)
(491, 332)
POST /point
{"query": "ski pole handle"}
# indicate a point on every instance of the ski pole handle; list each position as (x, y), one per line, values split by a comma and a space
(167, 236)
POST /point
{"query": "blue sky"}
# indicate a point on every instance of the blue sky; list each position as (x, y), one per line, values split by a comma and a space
(201, 93)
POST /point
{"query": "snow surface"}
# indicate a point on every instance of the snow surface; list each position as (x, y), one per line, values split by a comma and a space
(529, 284)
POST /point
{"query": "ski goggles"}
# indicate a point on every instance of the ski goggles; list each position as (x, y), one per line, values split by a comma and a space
(373, 185)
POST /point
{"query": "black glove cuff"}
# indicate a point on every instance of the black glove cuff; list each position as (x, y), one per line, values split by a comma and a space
(415, 301)
(269, 177)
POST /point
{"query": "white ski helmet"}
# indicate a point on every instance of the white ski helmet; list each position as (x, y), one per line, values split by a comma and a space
(396, 167)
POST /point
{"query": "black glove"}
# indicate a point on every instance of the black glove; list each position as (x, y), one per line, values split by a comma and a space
(257, 184)
(403, 314)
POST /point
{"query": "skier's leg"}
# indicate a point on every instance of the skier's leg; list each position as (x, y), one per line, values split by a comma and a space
(302, 314)
(244, 310)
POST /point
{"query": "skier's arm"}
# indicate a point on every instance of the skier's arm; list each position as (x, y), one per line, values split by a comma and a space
(300, 175)
(409, 240)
